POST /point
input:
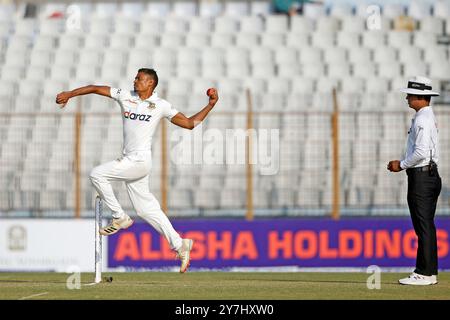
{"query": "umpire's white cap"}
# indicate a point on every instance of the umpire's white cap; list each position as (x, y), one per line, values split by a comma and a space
(419, 86)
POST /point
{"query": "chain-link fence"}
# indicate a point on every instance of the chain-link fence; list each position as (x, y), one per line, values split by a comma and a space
(207, 174)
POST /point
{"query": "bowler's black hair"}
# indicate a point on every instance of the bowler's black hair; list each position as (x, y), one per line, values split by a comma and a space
(151, 73)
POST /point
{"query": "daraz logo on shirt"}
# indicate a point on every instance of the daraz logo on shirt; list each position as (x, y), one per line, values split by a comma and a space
(136, 116)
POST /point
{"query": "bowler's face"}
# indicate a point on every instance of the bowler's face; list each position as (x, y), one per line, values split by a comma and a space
(142, 82)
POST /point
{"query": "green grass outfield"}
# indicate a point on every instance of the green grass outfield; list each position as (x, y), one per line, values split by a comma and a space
(218, 285)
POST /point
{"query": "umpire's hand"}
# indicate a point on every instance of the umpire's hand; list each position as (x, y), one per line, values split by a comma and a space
(394, 166)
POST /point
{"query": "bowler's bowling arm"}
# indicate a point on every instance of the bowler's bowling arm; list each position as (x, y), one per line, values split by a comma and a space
(190, 123)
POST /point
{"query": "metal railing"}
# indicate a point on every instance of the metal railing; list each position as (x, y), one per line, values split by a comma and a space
(298, 164)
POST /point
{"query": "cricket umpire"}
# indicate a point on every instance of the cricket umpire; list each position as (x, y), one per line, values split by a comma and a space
(424, 183)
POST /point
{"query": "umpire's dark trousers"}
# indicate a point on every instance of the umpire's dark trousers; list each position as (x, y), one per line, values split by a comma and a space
(423, 191)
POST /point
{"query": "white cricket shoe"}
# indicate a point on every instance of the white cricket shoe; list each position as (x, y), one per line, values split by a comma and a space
(416, 279)
(116, 224)
(184, 254)
(434, 279)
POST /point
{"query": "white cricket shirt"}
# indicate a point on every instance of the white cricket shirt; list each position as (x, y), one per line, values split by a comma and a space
(140, 120)
(422, 138)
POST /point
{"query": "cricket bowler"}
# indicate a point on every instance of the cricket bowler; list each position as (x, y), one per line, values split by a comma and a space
(142, 110)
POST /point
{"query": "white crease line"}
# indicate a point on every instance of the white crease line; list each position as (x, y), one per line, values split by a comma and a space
(34, 295)
(90, 284)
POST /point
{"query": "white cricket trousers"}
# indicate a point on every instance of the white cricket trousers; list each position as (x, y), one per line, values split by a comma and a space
(135, 175)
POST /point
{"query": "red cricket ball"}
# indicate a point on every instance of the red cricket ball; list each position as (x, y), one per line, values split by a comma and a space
(209, 92)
